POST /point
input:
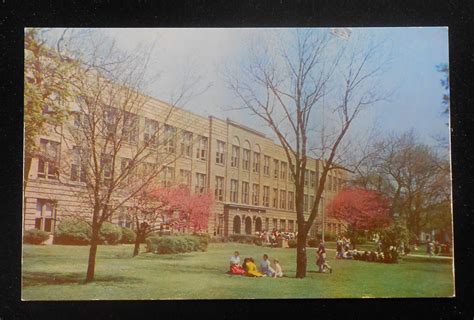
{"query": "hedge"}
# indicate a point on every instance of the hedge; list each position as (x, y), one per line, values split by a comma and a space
(176, 244)
(128, 236)
(292, 243)
(72, 232)
(77, 232)
(110, 233)
(35, 236)
(241, 238)
(313, 243)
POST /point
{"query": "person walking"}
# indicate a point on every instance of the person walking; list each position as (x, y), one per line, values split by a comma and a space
(321, 260)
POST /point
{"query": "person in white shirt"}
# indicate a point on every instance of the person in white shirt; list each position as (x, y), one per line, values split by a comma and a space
(278, 271)
(235, 266)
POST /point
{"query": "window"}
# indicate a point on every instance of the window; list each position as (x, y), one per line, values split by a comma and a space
(266, 165)
(48, 159)
(266, 196)
(151, 133)
(235, 157)
(124, 218)
(334, 184)
(167, 176)
(220, 152)
(329, 188)
(106, 165)
(255, 194)
(275, 168)
(200, 183)
(256, 162)
(275, 224)
(187, 144)
(78, 165)
(109, 121)
(291, 226)
(185, 177)
(291, 200)
(170, 138)
(283, 224)
(201, 152)
(312, 178)
(246, 159)
(306, 177)
(292, 178)
(245, 192)
(45, 215)
(234, 187)
(130, 128)
(275, 198)
(267, 224)
(339, 184)
(282, 199)
(283, 171)
(306, 203)
(311, 202)
(219, 192)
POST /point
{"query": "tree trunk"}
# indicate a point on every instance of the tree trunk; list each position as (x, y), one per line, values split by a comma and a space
(92, 253)
(301, 259)
(136, 249)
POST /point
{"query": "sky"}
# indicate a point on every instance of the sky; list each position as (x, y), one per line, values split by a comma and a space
(202, 54)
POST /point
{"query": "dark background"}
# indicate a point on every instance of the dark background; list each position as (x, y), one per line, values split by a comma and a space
(457, 15)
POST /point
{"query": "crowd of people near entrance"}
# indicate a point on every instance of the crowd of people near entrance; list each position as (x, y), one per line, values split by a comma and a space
(249, 268)
(272, 238)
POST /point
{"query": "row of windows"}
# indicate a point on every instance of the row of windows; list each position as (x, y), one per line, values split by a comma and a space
(255, 195)
(47, 166)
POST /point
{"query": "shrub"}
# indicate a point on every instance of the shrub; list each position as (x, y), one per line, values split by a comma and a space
(242, 238)
(257, 241)
(293, 243)
(128, 236)
(218, 239)
(35, 236)
(72, 232)
(110, 233)
(176, 244)
(77, 232)
(313, 243)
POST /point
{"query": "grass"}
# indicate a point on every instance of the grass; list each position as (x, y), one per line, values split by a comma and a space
(57, 272)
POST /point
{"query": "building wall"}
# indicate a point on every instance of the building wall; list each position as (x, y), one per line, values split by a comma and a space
(66, 194)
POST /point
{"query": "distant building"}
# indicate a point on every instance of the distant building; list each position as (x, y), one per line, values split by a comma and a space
(248, 173)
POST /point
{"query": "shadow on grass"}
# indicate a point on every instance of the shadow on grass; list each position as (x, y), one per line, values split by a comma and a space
(45, 278)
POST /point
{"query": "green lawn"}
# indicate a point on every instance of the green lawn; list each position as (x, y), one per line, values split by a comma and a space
(56, 272)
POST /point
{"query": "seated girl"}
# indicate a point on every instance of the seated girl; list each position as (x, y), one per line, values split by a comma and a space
(235, 267)
(251, 268)
(278, 270)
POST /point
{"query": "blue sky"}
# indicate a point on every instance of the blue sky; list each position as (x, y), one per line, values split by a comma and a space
(414, 52)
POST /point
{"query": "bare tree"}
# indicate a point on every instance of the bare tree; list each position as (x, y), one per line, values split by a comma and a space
(285, 85)
(108, 159)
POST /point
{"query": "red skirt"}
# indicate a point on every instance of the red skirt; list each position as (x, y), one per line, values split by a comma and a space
(235, 269)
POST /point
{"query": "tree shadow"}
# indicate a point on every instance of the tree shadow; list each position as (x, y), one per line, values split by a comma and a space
(45, 278)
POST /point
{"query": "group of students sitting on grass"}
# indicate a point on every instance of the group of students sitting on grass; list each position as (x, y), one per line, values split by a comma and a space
(388, 256)
(249, 268)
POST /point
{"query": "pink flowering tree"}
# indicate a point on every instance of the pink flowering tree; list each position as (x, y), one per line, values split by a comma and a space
(174, 206)
(363, 210)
